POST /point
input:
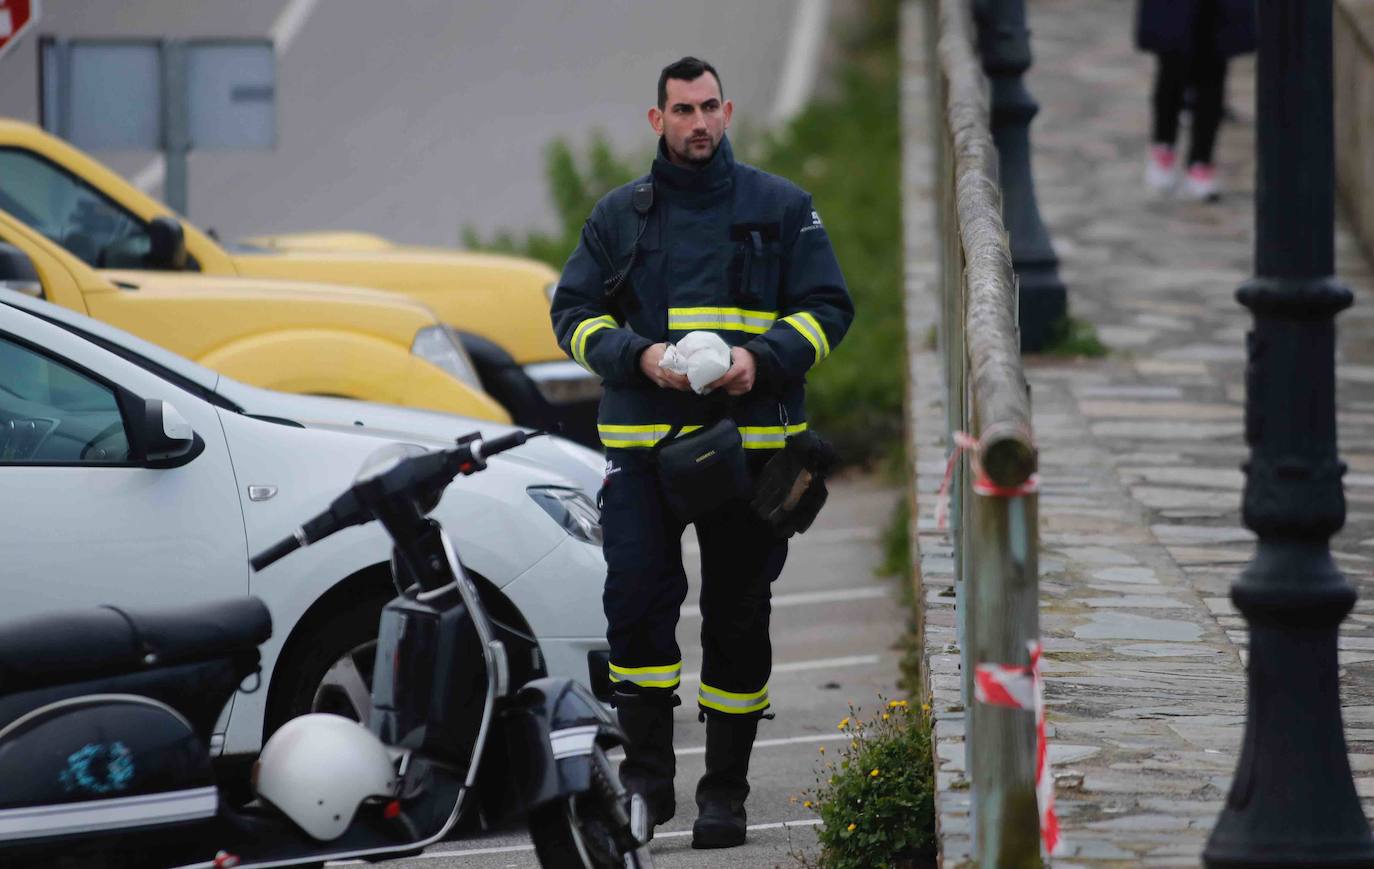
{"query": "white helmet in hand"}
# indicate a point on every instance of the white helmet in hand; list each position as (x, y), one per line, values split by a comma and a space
(317, 769)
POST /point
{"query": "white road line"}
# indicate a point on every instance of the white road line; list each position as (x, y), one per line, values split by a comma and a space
(815, 537)
(283, 32)
(806, 598)
(773, 743)
(289, 23)
(150, 176)
(517, 849)
(799, 67)
(776, 825)
(802, 666)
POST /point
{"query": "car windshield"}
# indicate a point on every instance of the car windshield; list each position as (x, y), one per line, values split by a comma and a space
(70, 212)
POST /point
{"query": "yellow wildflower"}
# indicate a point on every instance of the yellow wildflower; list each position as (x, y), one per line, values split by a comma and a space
(807, 804)
(853, 827)
(873, 774)
(884, 716)
(821, 749)
(895, 704)
(843, 724)
(925, 707)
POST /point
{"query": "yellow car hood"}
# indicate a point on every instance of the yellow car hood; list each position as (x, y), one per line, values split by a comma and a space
(502, 298)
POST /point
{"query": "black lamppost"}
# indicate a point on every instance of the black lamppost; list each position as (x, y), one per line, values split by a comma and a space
(1293, 800)
(1004, 43)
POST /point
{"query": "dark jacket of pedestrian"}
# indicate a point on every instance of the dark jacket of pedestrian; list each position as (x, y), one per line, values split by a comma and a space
(1188, 28)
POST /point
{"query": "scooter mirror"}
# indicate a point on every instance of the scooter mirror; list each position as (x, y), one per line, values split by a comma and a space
(385, 458)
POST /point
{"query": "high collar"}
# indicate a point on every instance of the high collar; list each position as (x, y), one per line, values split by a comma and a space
(716, 175)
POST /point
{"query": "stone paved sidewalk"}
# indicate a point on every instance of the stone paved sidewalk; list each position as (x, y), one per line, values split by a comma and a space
(1140, 453)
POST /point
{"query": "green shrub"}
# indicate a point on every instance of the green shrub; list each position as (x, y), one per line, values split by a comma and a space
(876, 801)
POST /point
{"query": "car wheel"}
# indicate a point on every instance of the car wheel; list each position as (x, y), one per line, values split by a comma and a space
(330, 667)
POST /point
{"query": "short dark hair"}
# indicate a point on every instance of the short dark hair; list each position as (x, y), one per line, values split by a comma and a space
(688, 69)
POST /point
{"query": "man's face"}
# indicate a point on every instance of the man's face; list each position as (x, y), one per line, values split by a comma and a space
(693, 121)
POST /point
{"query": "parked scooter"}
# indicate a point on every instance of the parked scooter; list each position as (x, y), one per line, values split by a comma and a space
(105, 719)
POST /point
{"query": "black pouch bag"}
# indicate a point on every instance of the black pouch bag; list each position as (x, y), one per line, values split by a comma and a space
(702, 470)
(791, 488)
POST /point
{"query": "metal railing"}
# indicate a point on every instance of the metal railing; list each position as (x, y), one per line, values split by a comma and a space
(993, 500)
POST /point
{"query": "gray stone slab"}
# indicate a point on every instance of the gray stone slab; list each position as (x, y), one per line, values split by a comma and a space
(1136, 602)
(1126, 626)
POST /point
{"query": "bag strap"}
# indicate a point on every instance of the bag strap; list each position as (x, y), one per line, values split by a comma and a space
(724, 409)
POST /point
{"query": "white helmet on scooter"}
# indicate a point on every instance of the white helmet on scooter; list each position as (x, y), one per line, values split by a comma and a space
(317, 769)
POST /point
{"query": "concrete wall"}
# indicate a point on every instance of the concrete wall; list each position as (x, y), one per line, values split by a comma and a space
(1354, 47)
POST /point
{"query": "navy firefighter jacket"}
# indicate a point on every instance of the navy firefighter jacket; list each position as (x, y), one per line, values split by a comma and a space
(726, 248)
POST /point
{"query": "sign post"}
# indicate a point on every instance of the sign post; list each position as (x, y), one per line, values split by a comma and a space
(169, 95)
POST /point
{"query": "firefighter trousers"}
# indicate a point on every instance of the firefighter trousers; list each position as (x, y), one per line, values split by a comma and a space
(646, 586)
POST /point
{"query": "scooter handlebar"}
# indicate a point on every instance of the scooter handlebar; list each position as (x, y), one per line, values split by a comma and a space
(483, 450)
(275, 552)
(347, 510)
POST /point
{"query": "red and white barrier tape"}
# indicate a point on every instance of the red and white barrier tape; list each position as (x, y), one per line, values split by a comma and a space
(981, 484)
(1022, 688)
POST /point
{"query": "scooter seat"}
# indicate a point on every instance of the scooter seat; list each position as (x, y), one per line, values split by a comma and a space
(107, 641)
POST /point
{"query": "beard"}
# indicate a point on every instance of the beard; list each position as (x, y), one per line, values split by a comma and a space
(694, 159)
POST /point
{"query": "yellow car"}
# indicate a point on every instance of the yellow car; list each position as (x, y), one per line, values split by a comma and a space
(288, 336)
(498, 304)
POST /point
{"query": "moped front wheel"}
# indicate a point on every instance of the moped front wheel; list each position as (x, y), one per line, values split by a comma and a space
(587, 830)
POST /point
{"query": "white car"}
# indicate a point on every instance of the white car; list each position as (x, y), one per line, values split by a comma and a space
(83, 522)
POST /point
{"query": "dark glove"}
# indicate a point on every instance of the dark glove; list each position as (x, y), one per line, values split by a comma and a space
(791, 487)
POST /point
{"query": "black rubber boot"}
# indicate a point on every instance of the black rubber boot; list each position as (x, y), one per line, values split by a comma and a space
(649, 763)
(721, 819)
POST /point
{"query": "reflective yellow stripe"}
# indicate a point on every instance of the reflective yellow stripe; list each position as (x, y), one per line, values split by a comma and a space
(820, 333)
(578, 344)
(768, 437)
(731, 702)
(722, 319)
(665, 676)
(624, 436)
(811, 330)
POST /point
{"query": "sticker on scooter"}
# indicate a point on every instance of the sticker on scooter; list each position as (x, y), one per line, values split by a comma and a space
(99, 768)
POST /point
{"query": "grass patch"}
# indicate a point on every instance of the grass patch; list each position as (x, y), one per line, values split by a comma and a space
(897, 563)
(1070, 336)
(845, 150)
(897, 546)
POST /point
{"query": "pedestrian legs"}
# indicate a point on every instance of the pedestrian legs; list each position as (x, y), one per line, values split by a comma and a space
(740, 558)
(645, 587)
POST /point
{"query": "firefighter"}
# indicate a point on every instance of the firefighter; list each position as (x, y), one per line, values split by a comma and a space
(700, 243)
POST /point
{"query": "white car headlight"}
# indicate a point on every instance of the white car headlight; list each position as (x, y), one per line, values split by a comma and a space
(572, 510)
(438, 346)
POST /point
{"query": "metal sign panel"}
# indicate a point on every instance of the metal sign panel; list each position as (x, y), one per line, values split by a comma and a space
(231, 95)
(115, 97)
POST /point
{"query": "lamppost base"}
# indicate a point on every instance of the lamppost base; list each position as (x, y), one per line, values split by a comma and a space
(1249, 855)
(1043, 301)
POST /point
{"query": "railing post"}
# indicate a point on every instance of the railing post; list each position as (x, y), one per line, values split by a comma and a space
(993, 509)
(1004, 603)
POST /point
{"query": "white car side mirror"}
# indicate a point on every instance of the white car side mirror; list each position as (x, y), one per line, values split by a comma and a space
(166, 434)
